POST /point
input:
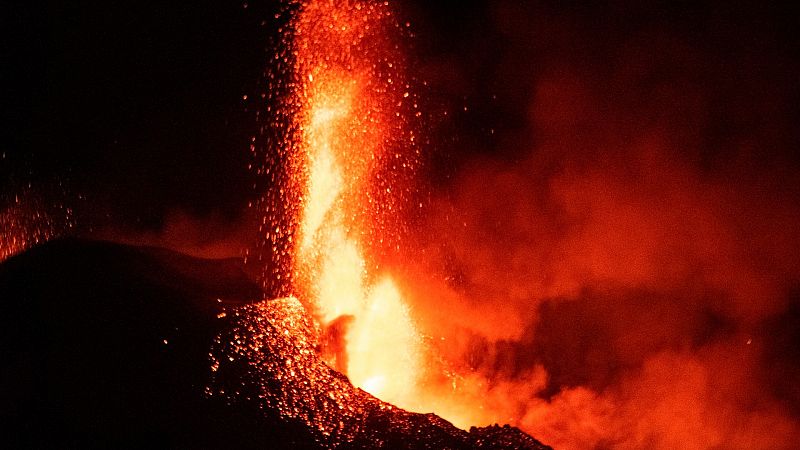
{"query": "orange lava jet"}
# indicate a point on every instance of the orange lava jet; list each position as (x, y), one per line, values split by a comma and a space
(350, 145)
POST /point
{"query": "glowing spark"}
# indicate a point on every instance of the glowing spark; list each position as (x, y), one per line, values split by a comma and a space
(346, 145)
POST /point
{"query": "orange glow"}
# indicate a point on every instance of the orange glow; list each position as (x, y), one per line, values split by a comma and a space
(603, 248)
(347, 122)
(348, 152)
(27, 221)
(588, 305)
(383, 346)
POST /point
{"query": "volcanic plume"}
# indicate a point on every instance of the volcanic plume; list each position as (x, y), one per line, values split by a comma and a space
(580, 220)
(614, 251)
(618, 278)
(29, 218)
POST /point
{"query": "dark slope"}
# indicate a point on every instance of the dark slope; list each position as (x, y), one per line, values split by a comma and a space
(112, 346)
(107, 345)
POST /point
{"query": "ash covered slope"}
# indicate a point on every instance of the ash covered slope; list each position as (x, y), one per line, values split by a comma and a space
(106, 344)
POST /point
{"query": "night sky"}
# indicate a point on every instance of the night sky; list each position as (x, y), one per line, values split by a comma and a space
(138, 105)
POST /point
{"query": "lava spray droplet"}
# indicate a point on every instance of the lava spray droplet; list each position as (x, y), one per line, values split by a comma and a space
(27, 220)
(346, 155)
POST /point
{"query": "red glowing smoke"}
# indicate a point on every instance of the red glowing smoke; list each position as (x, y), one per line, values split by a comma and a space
(622, 270)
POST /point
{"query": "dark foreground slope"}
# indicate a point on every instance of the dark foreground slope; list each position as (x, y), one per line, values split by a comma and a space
(110, 345)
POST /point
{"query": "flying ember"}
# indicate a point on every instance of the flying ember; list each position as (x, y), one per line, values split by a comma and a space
(511, 219)
(26, 220)
(346, 152)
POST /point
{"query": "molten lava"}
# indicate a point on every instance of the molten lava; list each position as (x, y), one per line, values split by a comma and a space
(343, 171)
(350, 144)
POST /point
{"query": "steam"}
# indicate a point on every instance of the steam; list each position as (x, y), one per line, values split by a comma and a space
(623, 271)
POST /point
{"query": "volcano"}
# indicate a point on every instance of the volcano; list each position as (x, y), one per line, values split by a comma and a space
(114, 345)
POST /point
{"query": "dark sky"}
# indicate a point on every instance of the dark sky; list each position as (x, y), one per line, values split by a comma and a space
(138, 105)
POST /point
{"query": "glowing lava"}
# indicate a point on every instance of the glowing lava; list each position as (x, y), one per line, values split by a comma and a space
(349, 145)
(343, 170)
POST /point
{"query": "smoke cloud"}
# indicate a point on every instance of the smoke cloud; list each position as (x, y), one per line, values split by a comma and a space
(619, 266)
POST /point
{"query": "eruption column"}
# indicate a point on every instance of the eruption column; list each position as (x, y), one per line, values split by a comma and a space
(347, 121)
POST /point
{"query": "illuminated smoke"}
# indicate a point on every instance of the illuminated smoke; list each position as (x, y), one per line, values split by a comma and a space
(620, 271)
(621, 277)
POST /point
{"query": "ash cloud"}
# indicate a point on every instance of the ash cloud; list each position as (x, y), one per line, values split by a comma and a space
(622, 255)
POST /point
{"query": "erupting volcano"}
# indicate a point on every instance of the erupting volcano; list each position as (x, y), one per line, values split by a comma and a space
(343, 167)
(353, 149)
(407, 224)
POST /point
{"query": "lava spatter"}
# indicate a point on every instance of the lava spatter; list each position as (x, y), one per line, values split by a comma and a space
(341, 170)
(268, 356)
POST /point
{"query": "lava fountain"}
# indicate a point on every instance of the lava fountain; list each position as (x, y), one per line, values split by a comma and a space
(346, 151)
